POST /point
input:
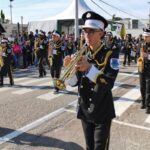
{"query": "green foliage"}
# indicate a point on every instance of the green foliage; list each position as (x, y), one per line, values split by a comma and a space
(2, 16)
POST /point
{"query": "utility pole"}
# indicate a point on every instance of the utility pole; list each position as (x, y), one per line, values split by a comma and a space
(76, 21)
(149, 16)
(22, 23)
(10, 10)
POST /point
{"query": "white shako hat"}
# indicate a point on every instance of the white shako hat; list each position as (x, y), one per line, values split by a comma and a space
(93, 20)
(146, 32)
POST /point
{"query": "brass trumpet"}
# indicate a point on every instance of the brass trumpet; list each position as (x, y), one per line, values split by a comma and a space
(140, 61)
(140, 64)
(1, 59)
(69, 70)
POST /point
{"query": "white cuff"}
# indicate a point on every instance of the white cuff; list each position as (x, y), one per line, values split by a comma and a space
(92, 74)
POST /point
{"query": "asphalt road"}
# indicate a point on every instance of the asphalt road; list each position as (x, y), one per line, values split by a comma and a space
(33, 117)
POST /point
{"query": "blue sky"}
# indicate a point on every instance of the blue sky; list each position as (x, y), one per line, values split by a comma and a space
(34, 10)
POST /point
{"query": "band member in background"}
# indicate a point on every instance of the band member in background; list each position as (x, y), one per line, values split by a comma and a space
(111, 42)
(69, 46)
(7, 60)
(127, 50)
(55, 54)
(145, 71)
(95, 77)
(42, 54)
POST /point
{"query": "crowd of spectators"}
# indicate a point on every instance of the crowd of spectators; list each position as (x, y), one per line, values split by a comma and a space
(24, 56)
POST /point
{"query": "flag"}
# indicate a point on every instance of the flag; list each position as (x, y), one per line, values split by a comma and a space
(123, 31)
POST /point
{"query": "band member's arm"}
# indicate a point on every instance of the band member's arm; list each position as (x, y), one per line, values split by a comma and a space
(50, 50)
(107, 75)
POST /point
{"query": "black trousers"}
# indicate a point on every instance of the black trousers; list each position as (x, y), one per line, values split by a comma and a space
(145, 88)
(127, 56)
(42, 70)
(55, 71)
(6, 69)
(96, 135)
(142, 86)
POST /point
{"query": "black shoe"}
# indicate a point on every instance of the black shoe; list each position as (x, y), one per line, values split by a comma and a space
(11, 82)
(148, 110)
(44, 73)
(40, 76)
(1, 84)
(56, 90)
(142, 106)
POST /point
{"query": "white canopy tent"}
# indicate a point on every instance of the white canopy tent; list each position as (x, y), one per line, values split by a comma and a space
(69, 13)
(58, 20)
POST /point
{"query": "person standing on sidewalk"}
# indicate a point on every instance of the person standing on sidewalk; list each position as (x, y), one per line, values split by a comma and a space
(144, 71)
(95, 76)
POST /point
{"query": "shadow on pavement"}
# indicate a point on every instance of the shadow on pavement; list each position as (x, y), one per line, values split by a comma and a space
(39, 140)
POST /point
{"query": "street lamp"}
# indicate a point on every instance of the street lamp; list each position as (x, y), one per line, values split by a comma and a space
(22, 23)
(76, 21)
(10, 10)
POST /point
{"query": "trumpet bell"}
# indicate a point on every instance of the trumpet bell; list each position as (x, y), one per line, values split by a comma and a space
(60, 84)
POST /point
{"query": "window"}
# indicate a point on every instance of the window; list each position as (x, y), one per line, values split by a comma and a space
(134, 24)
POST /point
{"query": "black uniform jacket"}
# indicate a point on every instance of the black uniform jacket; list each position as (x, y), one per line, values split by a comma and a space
(147, 60)
(57, 59)
(95, 102)
(7, 59)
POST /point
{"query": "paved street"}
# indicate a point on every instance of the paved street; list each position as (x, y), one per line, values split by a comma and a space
(33, 117)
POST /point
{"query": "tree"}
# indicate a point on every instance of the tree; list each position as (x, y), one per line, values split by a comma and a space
(2, 16)
(113, 22)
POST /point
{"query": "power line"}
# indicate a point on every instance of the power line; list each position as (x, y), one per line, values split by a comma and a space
(101, 8)
(118, 9)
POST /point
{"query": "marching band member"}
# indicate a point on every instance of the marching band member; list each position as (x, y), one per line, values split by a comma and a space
(55, 54)
(145, 71)
(42, 54)
(95, 76)
(7, 59)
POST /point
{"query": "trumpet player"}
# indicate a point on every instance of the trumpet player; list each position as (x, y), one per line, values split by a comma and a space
(95, 76)
(145, 71)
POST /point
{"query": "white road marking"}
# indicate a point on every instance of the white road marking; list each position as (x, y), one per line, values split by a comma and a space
(148, 119)
(127, 74)
(131, 125)
(5, 88)
(51, 95)
(32, 81)
(125, 101)
(27, 90)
